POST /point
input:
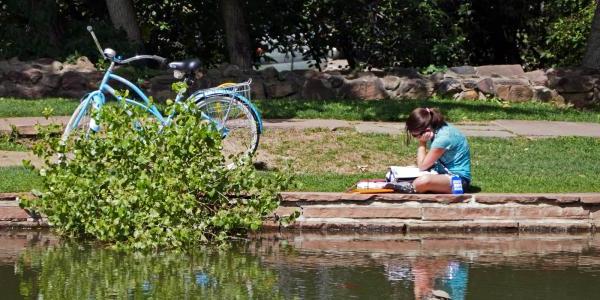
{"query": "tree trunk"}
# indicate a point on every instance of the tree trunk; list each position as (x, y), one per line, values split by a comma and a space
(236, 32)
(591, 59)
(122, 15)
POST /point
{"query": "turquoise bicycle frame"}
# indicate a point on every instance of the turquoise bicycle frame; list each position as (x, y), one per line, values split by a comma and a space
(98, 98)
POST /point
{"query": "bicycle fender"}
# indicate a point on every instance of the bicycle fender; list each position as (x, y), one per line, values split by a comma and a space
(201, 96)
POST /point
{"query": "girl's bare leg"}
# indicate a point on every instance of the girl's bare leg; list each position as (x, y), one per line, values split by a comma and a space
(439, 183)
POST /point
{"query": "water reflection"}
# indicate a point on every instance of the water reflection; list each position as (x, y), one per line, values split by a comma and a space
(36, 265)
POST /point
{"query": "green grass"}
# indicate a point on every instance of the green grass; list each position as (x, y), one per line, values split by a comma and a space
(377, 110)
(19, 179)
(398, 110)
(9, 144)
(500, 165)
(12, 107)
(519, 165)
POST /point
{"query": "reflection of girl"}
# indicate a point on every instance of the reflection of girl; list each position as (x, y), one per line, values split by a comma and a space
(442, 147)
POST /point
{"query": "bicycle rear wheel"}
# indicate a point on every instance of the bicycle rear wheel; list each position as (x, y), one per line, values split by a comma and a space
(236, 123)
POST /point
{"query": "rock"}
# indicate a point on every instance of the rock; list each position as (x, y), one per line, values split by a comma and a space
(500, 70)
(391, 83)
(542, 94)
(232, 71)
(414, 88)
(579, 100)
(448, 87)
(257, 89)
(51, 80)
(470, 83)
(436, 78)
(463, 70)
(514, 93)
(270, 73)
(486, 86)
(575, 84)
(278, 89)
(537, 77)
(335, 81)
(83, 64)
(33, 75)
(467, 95)
(366, 88)
(314, 88)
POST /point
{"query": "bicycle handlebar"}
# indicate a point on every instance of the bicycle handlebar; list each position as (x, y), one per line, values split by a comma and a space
(160, 60)
(157, 58)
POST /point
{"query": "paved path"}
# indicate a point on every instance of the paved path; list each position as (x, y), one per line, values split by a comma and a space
(498, 128)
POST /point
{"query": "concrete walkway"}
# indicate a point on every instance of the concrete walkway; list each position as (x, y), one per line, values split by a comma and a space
(498, 128)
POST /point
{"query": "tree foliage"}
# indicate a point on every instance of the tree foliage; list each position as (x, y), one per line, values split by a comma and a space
(378, 33)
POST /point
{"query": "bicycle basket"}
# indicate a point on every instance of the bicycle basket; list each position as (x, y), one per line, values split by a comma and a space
(242, 88)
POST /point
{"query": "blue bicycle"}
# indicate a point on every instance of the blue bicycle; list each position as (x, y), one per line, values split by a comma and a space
(227, 106)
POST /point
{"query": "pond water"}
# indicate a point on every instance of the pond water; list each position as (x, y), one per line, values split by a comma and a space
(37, 265)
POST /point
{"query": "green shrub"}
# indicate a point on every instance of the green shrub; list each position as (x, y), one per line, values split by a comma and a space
(138, 187)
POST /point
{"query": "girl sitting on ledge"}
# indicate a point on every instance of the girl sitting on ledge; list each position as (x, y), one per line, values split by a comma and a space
(442, 148)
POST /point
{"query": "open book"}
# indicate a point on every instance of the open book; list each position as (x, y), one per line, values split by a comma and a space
(396, 173)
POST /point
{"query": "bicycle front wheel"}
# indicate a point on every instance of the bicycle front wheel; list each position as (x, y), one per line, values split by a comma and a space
(80, 121)
(236, 123)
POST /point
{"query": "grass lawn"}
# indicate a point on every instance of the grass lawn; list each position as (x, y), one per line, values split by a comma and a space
(324, 160)
(378, 110)
(19, 179)
(12, 107)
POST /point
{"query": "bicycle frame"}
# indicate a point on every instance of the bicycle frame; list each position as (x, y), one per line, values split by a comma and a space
(99, 98)
(146, 105)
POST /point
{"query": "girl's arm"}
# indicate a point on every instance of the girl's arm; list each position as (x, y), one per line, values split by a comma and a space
(425, 160)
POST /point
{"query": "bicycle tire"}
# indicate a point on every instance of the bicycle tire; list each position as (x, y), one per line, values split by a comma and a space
(81, 120)
(242, 125)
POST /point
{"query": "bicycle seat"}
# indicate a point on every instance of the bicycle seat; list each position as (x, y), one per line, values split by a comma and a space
(188, 65)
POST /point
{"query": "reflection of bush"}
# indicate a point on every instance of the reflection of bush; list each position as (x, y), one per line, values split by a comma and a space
(78, 272)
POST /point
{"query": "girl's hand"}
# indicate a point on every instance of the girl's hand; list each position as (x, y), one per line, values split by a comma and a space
(425, 137)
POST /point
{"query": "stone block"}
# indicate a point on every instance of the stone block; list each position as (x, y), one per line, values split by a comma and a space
(448, 87)
(279, 89)
(537, 77)
(579, 100)
(526, 198)
(514, 93)
(391, 83)
(11, 213)
(451, 213)
(463, 70)
(366, 88)
(314, 88)
(461, 226)
(414, 88)
(555, 226)
(575, 84)
(362, 212)
(550, 212)
(500, 70)
(486, 86)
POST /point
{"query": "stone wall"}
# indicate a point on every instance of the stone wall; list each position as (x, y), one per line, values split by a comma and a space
(578, 87)
(445, 213)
